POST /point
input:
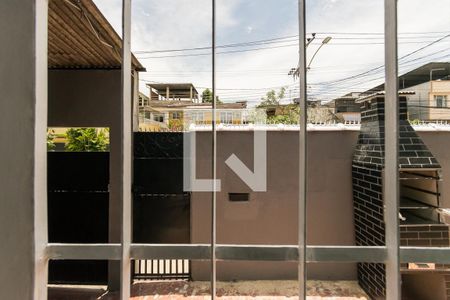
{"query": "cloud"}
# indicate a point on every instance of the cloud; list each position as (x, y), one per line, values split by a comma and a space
(177, 24)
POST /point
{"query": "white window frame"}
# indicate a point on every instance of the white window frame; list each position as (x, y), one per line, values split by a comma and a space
(157, 117)
(226, 117)
(125, 251)
(176, 115)
(197, 117)
(442, 99)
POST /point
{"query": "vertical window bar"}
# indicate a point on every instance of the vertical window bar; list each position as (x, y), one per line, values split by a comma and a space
(126, 159)
(391, 188)
(40, 151)
(157, 267)
(213, 155)
(302, 152)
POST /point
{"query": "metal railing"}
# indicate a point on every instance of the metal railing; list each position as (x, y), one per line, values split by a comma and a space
(161, 269)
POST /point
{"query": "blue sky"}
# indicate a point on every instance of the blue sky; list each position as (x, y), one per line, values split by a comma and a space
(354, 25)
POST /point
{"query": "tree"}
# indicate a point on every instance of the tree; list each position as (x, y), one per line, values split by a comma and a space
(273, 98)
(176, 125)
(321, 115)
(207, 97)
(86, 140)
(50, 140)
(287, 114)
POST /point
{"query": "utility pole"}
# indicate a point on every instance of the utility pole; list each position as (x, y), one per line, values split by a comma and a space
(295, 71)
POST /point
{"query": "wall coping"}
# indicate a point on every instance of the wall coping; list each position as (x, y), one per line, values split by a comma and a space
(311, 127)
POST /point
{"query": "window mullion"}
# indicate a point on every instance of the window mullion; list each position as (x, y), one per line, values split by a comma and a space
(391, 183)
(126, 154)
(302, 276)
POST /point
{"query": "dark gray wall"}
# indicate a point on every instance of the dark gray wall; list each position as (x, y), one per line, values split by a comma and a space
(271, 217)
(91, 98)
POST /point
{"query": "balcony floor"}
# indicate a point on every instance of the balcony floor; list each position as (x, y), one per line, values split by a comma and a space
(336, 290)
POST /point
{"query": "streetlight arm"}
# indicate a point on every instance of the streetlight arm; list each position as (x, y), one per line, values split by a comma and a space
(314, 55)
(325, 41)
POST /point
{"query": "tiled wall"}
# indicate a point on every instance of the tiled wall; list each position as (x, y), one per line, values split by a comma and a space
(369, 225)
(425, 236)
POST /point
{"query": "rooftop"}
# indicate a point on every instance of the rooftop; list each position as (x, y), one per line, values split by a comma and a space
(366, 97)
(418, 76)
(80, 37)
(179, 90)
(189, 104)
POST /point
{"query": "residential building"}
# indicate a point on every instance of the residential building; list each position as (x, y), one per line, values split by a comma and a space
(431, 85)
(174, 92)
(431, 101)
(176, 106)
(345, 108)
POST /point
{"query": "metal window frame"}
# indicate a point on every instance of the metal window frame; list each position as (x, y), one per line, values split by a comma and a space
(124, 252)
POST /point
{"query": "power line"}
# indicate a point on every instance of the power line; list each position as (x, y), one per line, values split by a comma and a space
(382, 66)
(268, 48)
(289, 38)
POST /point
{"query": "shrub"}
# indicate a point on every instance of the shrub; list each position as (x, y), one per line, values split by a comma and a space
(86, 140)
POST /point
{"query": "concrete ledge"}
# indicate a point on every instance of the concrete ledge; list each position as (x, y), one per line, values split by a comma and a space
(314, 254)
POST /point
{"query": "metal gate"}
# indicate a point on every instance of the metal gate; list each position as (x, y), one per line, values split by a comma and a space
(161, 209)
(162, 269)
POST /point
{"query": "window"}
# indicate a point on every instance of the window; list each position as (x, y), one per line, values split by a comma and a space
(237, 116)
(143, 101)
(197, 117)
(176, 115)
(441, 100)
(158, 118)
(226, 117)
(123, 252)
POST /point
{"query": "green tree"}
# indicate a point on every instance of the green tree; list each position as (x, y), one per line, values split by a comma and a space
(176, 125)
(50, 140)
(288, 115)
(273, 98)
(207, 97)
(86, 140)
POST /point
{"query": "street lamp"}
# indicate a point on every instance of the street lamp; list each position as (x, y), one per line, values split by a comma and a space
(325, 41)
(295, 71)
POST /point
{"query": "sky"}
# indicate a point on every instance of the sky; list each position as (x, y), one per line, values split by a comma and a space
(246, 72)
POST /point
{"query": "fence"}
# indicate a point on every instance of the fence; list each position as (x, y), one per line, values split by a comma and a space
(162, 269)
(78, 202)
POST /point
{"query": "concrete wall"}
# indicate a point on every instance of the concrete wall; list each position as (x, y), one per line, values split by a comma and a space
(420, 98)
(23, 111)
(92, 98)
(271, 217)
(426, 286)
(439, 144)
